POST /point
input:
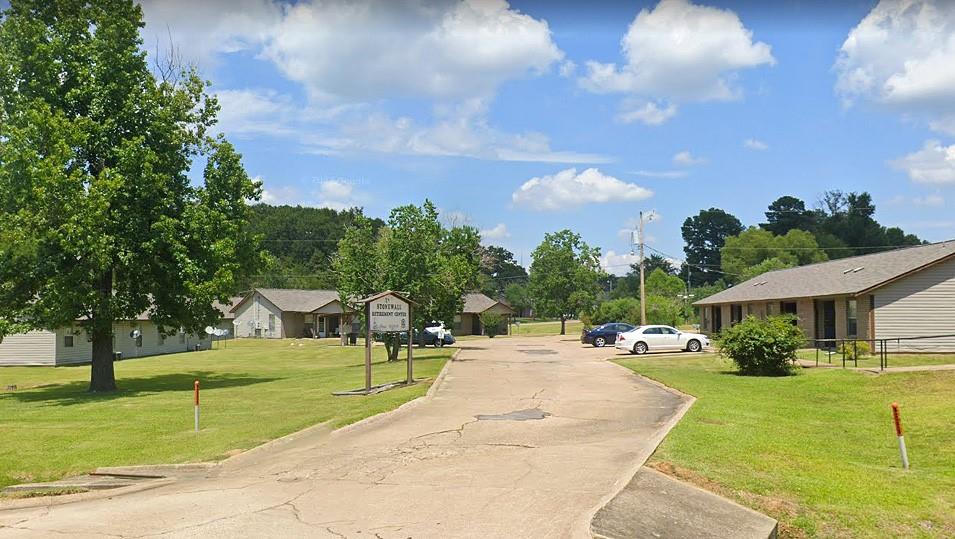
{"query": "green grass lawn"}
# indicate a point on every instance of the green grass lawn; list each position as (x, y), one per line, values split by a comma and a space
(541, 329)
(253, 391)
(895, 359)
(816, 450)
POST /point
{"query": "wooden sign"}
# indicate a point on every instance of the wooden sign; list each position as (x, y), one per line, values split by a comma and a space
(389, 314)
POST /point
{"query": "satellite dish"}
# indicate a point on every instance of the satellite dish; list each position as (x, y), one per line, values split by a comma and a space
(221, 332)
(135, 334)
(210, 330)
(236, 322)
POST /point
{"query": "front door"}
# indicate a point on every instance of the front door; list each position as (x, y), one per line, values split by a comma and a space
(826, 322)
(717, 318)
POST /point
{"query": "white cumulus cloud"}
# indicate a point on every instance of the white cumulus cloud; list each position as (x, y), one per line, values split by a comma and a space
(497, 232)
(367, 50)
(755, 144)
(934, 163)
(901, 55)
(687, 159)
(352, 56)
(568, 189)
(618, 264)
(677, 52)
(647, 112)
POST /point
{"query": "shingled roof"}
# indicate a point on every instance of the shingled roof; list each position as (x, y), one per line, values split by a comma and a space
(477, 303)
(845, 276)
(295, 300)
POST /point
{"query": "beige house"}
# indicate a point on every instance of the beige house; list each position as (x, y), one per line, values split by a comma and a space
(903, 293)
(278, 313)
(70, 345)
(468, 322)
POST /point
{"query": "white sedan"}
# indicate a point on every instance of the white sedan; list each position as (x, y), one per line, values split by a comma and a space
(660, 338)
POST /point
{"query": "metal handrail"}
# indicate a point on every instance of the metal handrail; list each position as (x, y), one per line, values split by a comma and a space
(883, 347)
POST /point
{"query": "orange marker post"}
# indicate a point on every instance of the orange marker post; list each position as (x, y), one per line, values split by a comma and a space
(196, 391)
(899, 435)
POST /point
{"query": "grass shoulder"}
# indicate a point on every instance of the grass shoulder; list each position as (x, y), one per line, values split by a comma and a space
(815, 450)
(252, 392)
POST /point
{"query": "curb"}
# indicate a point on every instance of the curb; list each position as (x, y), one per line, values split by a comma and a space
(51, 501)
(630, 472)
(406, 406)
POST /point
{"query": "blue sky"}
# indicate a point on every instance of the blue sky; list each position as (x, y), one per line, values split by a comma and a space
(529, 117)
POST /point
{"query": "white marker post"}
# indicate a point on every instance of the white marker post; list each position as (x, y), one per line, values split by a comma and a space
(197, 405)
(898, 433)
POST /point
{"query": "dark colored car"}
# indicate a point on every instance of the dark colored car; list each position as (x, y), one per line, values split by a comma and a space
(603, 335)
(430, 339)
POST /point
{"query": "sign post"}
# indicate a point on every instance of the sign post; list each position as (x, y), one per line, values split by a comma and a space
(368, 338)
(387, 312)
(196, 397)
(410, 348)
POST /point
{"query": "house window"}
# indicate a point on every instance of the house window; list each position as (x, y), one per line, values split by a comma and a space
(139, 341)
(788, 307)
(182, 337)
(271, 323)
(769, 309)
(736, 314)
(68, 341)
(852, 318)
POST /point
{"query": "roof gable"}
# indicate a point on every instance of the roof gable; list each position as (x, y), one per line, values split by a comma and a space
(296, 300)
(845, 276)
(477, 303)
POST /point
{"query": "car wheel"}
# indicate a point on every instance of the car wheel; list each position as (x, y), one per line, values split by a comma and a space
(640, 348)
(599, 342)
(693, 346)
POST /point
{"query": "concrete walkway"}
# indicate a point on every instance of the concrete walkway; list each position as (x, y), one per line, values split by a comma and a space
(524, 438)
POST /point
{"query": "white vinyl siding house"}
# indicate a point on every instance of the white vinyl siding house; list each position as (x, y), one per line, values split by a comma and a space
(920, 304)
(70, 345)
(284, 313)
(33, 348)
(256, 316)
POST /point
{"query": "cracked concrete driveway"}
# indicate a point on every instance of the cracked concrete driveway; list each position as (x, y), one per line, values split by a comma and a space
(523, 438)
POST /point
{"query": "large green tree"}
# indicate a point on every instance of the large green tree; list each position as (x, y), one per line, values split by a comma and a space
(412, 254)
(302, 242)
(100, 219)
(704, 235)
(754, 246)
(499, 269)
(789, 213)
(565, 276)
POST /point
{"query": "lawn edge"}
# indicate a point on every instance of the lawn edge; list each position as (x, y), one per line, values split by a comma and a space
(438, 380)
(50, 501)
(641, 459)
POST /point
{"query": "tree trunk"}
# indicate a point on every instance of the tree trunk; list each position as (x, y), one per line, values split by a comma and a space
(102, 376)
(563, 325)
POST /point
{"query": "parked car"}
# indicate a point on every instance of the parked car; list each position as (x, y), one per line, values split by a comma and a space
(431, 338)
(645, 339)
(605, 334)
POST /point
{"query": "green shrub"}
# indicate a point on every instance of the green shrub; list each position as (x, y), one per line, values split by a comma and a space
(618, 310)
(850, 349)
(762, 347)
(586, 320)
(492, 323)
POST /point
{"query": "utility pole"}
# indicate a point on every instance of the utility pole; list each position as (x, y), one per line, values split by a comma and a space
(643, 294)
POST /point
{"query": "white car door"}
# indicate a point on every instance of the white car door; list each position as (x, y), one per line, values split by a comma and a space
(669, 338)
(653, 338)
